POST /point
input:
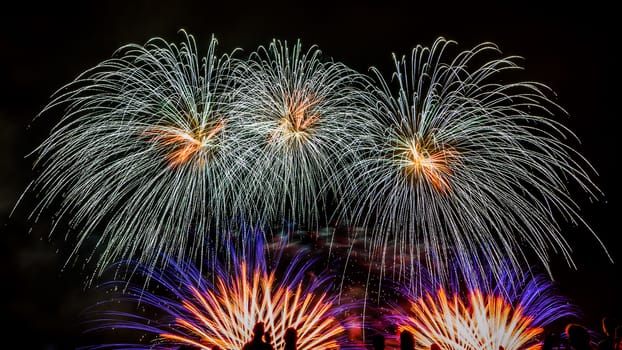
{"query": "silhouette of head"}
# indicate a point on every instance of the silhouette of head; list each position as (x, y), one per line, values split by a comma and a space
(435, 346)
(290, 335)
(578, 336)
(258, 330)
(378, 341)
(407, 340)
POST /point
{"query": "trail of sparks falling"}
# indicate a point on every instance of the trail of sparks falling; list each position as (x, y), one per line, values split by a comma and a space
(305, 114)
(143, 160)
(461, 162)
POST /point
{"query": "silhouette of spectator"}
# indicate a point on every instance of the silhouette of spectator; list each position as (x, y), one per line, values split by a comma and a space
(407, 341)
(377, 341)
(268, 338)
(216, 347)
(435, 346)
(290, 338)
(609, 327)
(578, 337)
(257, 343)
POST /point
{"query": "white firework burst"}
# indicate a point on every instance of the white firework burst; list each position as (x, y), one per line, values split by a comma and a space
(143, 160)
(304, 113)
(465, 165)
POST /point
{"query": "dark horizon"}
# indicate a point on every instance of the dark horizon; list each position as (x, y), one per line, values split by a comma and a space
(569, 48)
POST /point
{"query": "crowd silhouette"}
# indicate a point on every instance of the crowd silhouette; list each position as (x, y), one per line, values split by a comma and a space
(574, 336)
(258, 342)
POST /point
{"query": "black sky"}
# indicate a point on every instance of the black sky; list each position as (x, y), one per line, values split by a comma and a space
(570, 48)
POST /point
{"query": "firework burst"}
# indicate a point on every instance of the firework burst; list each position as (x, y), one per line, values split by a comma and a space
(144, 160)
(512, 315)
(304, 113)
(464, 164)
(246, 286)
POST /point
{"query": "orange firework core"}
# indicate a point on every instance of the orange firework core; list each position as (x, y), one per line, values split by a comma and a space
(225, 316)
(184, 144)
(423, 160)
(298, 121)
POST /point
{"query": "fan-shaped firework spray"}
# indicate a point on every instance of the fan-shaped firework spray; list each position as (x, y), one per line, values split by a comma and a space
(481, 314)
(220, 306)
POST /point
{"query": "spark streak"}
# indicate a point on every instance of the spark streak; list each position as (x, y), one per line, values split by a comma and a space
(461, 161)
(222, 308)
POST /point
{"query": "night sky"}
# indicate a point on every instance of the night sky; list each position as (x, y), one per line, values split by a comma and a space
(570, 48)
